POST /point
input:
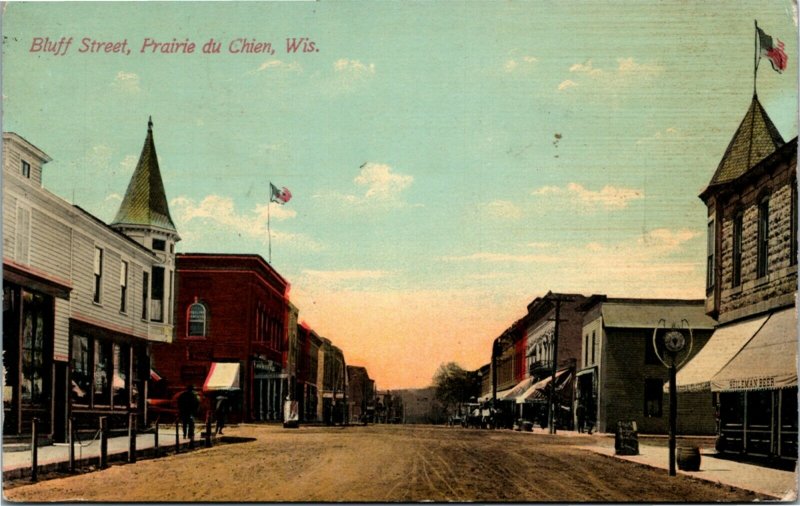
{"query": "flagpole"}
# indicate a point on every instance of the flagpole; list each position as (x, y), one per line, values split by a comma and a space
(755, 58)
(269, 232)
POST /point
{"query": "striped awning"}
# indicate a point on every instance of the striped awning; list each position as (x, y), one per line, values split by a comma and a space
(222, 376)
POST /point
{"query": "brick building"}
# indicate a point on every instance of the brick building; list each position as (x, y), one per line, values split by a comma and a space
(232, 318)
(360, 393)
(307, 387)
(620, 377)
(331, 370)
(750, 361)
(82, 300)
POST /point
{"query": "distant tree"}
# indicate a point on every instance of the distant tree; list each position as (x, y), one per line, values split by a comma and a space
(455, 385)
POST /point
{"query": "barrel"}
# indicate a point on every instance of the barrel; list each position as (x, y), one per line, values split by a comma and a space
(688, 458)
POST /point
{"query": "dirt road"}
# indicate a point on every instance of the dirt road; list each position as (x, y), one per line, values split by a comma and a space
(381, 463)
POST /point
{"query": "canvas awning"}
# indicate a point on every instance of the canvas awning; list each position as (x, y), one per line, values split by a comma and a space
(723, 344)
(768, 361)
(626, 315)
(500, 395)
(518, 390)
(537, 389)
(222, 376)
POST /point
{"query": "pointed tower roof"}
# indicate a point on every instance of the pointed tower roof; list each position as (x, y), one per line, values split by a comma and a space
(145, 203)
(756, 138)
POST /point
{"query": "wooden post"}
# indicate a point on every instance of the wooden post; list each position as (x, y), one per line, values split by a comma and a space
(155, 439)
(177, 436)
(208, 429)
(103, 442)
(131, 437)
(34, 449)
(71, 439)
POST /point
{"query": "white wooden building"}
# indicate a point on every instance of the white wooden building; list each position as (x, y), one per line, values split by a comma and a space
(78, 300)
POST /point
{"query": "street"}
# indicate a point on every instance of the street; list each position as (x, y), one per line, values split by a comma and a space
(382, 463)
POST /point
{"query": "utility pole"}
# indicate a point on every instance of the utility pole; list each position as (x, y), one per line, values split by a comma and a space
(551, 417)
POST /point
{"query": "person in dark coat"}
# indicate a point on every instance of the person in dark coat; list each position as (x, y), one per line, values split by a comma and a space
(580, 411)
(187, 407)
(220, 411)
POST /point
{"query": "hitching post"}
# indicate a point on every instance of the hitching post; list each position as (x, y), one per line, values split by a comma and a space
(208, 429)
(103, 442)
(131, 437)
(155, 439)
(177, 436)
(34, 449)
(71, 439)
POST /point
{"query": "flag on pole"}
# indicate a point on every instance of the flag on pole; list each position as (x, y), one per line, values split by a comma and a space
(774, 53)
(281, 196)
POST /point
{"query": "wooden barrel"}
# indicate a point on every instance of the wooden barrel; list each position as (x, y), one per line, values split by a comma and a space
(688, 458)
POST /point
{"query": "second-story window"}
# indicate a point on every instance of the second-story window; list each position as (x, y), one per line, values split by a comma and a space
(26, 169)
(710, 245)
(123, 287)
(593, 345)
(197, 318)
(736, 268)
(159, 244)
(98, 274)
(763, 237)
(145, 293)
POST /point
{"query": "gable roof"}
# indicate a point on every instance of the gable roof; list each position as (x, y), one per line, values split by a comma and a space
(145, 201)
(756, 138)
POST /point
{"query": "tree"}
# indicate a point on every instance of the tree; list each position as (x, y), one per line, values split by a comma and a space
(455, 385)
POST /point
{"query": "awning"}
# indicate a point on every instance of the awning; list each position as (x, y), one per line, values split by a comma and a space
(766, 362)
(723, 344)
(222, 376)
(518, 390)
(537, 389)
(154, 376)
(500, 395)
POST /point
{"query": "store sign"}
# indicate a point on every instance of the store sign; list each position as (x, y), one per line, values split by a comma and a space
(265, 368)
(752, 383)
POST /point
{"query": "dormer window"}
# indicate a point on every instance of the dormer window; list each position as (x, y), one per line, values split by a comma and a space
(26, 169)
(197, 319)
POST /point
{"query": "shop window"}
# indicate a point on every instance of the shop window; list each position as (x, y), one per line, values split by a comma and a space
(198, 316)
(653, 397)
(103, 367)
(763, 237)
(35, 318)
(123, 287)
(98, 274)
(736, 273)
(81, 372)
(119, 382)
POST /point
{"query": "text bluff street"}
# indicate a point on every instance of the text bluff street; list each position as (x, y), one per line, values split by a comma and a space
(242, 45)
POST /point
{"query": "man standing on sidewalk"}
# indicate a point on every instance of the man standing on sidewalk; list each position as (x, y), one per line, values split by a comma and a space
(187, 407)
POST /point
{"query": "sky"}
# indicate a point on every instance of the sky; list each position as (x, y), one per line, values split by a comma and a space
(449, 162)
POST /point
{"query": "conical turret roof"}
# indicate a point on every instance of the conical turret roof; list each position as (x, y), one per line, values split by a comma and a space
(145, 202)
(756, 138)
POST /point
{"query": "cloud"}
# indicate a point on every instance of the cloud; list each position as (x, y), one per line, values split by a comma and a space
(278, 65)
(521, 63)
(503, 258)
(666, 240)
(342, 278)
(350, 75)
(127, 82)
(627, 72)
(609, 197)
(503, 209)
(215, 219)
(670, 134)
(567, 84)
(381, 186)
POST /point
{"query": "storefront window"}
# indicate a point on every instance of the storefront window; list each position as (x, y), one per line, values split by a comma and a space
(102, 372)
(136, 376)
(81, 373)
(653, 397)
(10, 345)
(33, 337)
(119, 383)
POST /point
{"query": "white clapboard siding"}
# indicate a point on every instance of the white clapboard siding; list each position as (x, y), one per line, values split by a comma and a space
(49, 246)
(9, 224)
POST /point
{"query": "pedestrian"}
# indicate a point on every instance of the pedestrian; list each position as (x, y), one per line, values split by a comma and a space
(580, 412)
(187, 407)
(220, 411)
